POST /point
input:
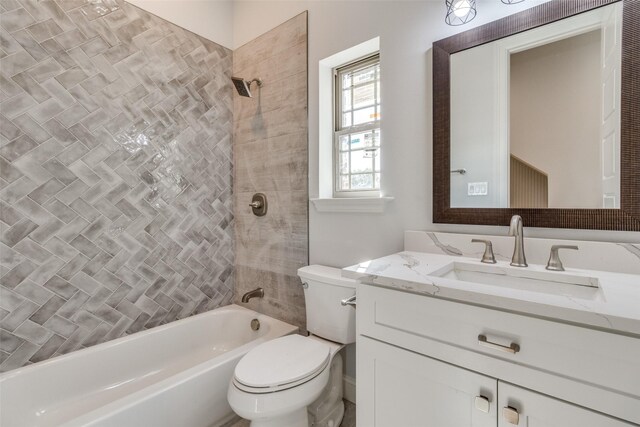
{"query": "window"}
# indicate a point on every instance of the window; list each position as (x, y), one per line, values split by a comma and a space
(357, 128)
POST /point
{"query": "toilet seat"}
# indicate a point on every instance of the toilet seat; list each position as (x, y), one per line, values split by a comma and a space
(281, 364)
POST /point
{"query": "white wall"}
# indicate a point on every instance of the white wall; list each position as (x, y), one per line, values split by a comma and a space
(211, 19)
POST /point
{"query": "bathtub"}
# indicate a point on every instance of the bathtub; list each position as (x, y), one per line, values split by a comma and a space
(175, 375)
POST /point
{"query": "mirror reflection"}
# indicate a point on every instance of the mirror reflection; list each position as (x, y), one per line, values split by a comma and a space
(535, 117)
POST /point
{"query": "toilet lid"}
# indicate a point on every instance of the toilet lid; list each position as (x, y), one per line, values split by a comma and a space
(282, 361)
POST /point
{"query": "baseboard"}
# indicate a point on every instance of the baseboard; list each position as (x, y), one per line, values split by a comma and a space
(349, 389)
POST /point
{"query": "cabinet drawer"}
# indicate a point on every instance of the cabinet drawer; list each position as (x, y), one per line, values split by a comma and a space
(597, 358)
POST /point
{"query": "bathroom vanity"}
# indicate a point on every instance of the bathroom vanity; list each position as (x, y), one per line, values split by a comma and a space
(446, 340)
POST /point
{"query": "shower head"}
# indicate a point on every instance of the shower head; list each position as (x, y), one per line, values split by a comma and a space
(243, 86)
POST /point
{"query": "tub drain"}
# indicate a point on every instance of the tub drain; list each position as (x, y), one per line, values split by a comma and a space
(255, 324)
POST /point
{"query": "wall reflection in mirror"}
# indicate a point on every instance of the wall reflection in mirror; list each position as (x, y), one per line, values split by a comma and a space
(535, 117)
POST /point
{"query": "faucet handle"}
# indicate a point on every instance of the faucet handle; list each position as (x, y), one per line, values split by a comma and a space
(554, 263)
(487, 257)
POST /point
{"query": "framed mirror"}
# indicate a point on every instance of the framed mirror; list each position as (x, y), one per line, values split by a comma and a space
(538, 114)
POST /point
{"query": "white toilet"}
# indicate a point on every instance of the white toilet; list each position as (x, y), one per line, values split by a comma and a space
(296, 381)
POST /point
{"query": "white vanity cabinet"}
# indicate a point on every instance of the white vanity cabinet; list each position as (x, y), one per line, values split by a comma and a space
(425, 361)
(397, 387)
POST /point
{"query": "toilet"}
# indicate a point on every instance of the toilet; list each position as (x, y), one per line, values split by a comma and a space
(296, 381)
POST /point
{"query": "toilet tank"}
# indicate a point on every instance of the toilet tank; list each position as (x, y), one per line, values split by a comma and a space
(324, 289)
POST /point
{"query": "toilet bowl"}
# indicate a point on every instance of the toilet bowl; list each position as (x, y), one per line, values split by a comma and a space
(296, 381)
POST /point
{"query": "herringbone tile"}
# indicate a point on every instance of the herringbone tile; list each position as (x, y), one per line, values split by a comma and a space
(116, 165)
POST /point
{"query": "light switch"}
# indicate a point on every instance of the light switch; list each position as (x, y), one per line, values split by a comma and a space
(477, 188)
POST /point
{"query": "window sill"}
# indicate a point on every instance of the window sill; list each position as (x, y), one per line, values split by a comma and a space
(352, 204)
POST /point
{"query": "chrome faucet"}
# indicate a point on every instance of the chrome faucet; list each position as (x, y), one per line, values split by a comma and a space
(256, 293)
(516, 230)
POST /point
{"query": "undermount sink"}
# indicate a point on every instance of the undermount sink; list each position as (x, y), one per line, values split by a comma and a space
(582, 286)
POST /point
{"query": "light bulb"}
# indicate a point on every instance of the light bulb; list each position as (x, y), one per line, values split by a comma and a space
(461, 8)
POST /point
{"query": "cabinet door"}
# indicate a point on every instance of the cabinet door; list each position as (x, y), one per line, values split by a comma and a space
(538, 410)
(399, 388)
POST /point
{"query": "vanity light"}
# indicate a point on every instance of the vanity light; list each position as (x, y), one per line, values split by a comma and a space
(460, 12)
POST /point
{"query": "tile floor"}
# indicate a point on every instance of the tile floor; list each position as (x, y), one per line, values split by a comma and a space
(349, 419)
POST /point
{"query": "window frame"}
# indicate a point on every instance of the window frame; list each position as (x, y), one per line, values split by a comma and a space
(338, 131)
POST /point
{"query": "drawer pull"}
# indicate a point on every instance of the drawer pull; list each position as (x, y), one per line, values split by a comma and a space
(511, 415)
(483, 404)
(513, 348)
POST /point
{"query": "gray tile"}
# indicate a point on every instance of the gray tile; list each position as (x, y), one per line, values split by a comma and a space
(28, 43)
(60, 210)
(71, 39)
(61, 287)
(72, 115)
(94, 46)
(29, 85)
(17, 232)
(71, 268)
(16, 63)
(31, 128)
(47, 190)
(15, 20)
(46, 110)
(59, 171)
(47, 310)
(48, 349)
(59, 132)
(8, 172)
(44, 30)
(71, 77)
(19, 315)
(8, 129)
(45, 70)
(21, 145)
(32, 250)
(17, 105)
(33, 292)
(71, 154)
(46, 231)
(52, 47)
(61, 326)
(60, 249)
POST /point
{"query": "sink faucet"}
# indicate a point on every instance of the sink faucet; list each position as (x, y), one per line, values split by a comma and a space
(516, 230)
(256, 293)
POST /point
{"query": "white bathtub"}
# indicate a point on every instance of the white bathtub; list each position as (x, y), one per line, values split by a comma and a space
(175, 375)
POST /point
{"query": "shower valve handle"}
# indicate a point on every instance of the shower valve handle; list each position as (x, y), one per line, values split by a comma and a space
(256, 205)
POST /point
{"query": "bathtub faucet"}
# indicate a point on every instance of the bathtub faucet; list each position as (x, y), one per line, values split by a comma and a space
(256, 293)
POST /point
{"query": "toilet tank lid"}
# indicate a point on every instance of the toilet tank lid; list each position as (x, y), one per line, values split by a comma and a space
(325, 274)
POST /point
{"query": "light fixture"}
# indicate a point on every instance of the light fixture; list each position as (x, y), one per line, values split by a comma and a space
(460, 12)
(511, 1)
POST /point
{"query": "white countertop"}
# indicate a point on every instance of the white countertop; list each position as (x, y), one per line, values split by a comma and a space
(614, 305)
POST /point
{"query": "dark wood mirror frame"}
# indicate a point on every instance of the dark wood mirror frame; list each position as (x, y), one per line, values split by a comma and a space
(625, 218)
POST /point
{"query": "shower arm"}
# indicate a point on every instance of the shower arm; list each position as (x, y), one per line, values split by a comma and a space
(258, 81)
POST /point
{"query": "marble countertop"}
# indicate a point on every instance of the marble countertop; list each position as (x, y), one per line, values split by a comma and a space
(613, 305)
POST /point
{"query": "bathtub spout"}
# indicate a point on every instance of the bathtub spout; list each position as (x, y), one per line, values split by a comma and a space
(256, 293)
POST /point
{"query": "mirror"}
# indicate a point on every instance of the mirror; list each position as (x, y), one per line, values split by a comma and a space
(534, 115)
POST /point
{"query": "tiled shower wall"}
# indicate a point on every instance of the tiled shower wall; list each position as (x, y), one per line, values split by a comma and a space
(115, 175)
(270, 151)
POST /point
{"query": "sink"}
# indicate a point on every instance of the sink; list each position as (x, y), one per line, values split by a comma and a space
(537, 280)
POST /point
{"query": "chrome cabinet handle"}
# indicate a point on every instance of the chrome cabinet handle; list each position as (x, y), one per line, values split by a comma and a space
(349, 301)
(487, 257)
(513, 348)
(554, 263)
(511, 415)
